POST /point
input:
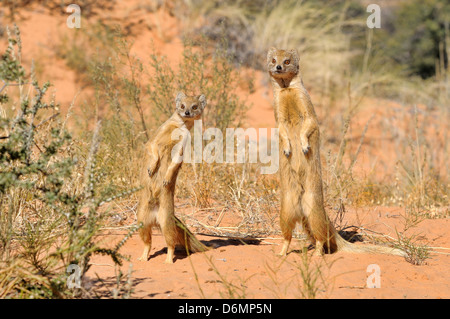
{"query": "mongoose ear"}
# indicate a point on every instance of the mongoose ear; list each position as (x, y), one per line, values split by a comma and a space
(270, 53)
(180, 96)
(202, 100)
(294, 54)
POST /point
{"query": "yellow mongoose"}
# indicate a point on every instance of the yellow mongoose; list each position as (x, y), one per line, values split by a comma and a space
(158, 177)
(300, 168)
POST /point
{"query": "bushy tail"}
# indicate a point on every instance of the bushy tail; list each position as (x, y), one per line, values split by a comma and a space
(187, 239)
(344, 245)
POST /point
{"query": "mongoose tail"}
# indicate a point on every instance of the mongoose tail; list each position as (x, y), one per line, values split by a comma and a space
(187, 239)
(345, 246)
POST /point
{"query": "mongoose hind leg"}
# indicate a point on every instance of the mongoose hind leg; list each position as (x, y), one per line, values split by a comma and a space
(321, 230)
(288, 219)
(319, 248)
(285, 247)
(166, 220)
(170, 253)
(146, 217)
(146, 235)
(287, 224)
(146, 253)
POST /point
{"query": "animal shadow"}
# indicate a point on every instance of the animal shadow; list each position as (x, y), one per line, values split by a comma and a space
(181, 253)
(351, 236)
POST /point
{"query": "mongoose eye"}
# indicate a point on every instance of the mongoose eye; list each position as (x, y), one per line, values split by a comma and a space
(287, 62)
(182, 106)
(194, 107)
(274, 61)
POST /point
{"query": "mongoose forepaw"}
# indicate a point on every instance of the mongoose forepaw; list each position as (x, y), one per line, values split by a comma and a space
(287, 153)
(306, 149)
(166, 183)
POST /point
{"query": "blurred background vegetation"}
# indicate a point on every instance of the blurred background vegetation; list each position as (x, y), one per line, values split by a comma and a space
(334, 40)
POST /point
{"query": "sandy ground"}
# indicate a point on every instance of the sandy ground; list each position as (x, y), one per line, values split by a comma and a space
(251, 269)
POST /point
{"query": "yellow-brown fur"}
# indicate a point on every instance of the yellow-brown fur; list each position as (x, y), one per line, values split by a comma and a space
(300, 168)
(158, 178)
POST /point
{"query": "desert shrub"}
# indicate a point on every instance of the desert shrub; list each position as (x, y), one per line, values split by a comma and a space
(200, 71)
(86, 47)
(49, 196)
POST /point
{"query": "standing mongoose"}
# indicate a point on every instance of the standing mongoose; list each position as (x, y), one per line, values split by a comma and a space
(300, 167)
(158, 176)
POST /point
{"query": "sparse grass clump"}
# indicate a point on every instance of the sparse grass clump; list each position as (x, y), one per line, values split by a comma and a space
(417, 254)
(310, 279)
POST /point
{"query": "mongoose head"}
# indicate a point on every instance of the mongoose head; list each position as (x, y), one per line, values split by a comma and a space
(190, 107)
(282, 63)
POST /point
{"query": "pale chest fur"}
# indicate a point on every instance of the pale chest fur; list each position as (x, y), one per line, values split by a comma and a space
(169, 135)
(289, 110)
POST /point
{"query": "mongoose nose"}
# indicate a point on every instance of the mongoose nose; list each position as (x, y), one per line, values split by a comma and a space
(186, 113)
(278, 67)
